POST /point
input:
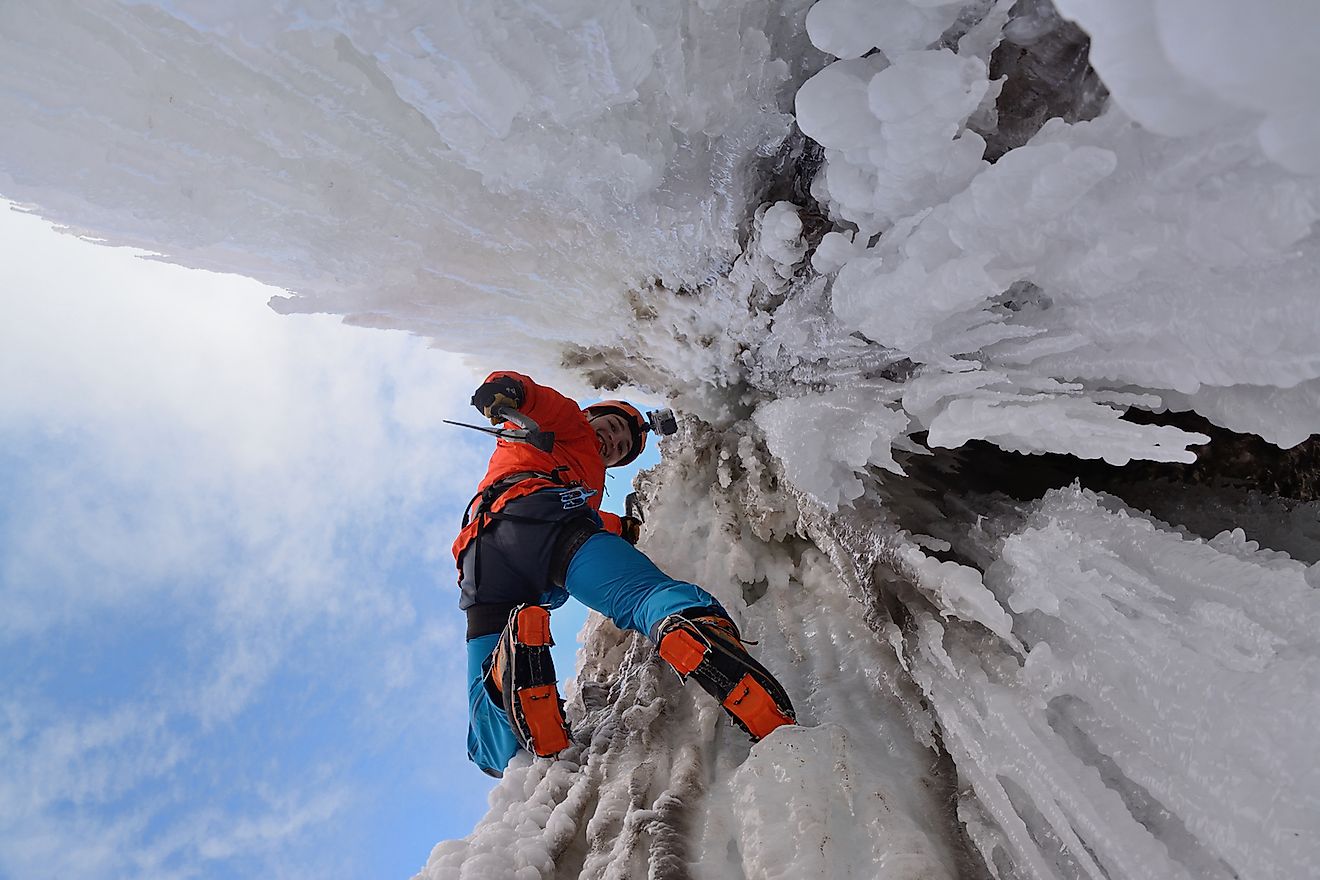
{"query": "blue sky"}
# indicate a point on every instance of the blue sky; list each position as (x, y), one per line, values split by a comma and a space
(227, 615)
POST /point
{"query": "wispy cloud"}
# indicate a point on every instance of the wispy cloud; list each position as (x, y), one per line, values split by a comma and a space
(221, 532)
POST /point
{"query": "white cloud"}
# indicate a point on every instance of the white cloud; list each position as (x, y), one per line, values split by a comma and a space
(194, 418)
(218, 526)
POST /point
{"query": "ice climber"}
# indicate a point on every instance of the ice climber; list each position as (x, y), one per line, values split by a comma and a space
(533, 535)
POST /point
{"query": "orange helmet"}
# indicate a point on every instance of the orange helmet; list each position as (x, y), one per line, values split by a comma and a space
(637, 424)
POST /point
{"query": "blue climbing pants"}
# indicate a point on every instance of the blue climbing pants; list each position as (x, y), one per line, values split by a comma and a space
(607, 574)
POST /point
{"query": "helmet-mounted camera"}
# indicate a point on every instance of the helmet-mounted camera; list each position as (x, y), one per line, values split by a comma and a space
(662, 422)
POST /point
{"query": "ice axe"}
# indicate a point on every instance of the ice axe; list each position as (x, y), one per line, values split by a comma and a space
(528, 431)
(632, 506)
(659, 421)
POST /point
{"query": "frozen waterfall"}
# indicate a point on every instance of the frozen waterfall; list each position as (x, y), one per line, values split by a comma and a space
(923, 276)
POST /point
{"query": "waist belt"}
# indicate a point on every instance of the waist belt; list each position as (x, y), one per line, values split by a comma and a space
(484, 620)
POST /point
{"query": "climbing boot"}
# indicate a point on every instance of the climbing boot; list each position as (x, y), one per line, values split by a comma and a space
(523, 674)
(706, 647)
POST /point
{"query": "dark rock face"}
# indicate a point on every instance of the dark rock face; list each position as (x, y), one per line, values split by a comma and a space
(1044, 59)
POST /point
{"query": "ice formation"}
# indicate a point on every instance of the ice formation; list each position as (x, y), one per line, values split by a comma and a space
(419, 169)
(975, 246)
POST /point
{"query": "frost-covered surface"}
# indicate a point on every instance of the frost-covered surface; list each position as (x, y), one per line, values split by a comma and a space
(979, 238)
(415, 165)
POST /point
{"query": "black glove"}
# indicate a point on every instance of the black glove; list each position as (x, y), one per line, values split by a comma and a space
(630, 529)
(500, 391)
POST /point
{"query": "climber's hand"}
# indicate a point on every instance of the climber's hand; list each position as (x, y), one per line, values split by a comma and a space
(630, 529)
(498, 392)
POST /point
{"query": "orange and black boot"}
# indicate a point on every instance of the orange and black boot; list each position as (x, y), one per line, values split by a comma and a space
(523, 673)
(706, 647)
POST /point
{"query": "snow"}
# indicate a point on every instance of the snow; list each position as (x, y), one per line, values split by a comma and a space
(1063, 686)
(780, 232)
(1184, 67)
(851, 28)
(894, 132)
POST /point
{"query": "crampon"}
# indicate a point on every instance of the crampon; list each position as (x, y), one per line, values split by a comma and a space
(523, 673)
(707, 648)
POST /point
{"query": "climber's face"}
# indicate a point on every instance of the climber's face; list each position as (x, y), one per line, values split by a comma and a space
(613, 437)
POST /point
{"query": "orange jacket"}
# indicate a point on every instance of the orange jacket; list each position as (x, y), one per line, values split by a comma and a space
(575, 448)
